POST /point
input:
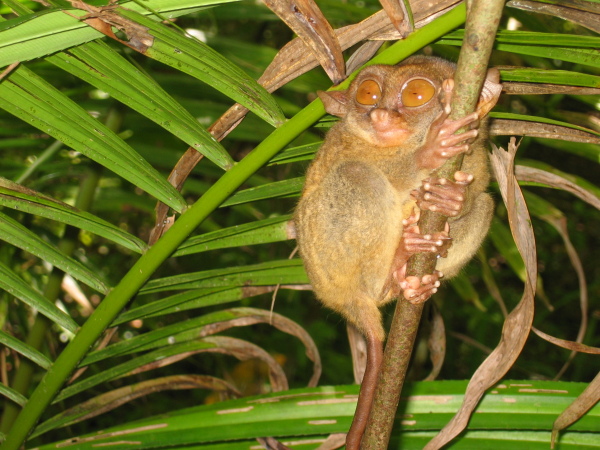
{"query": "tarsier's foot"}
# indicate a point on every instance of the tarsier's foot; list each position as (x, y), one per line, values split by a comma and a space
(418, 290)
(415, 242)
(443, 196)
(442, 143)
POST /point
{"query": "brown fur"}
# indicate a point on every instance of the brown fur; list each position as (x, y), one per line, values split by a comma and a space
(357, 192)
(349, 220)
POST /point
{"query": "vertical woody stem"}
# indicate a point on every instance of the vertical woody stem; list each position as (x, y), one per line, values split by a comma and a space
(482, 22)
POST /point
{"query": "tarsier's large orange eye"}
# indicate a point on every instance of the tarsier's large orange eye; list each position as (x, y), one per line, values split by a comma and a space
(417, 92)
(368, 93)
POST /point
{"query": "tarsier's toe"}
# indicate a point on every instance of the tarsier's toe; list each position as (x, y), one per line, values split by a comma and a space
(463, 177)
(418, 290)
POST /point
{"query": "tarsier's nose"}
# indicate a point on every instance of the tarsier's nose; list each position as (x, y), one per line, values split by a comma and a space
(384, 119)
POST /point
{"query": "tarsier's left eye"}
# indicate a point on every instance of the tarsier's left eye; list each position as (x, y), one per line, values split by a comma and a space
(417, 92)
(368, 93)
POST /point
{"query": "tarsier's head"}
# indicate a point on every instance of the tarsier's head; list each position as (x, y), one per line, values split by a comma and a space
(391, 106)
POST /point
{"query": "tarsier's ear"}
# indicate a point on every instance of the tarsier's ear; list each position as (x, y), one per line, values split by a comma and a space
(489, 93)
(335, 102)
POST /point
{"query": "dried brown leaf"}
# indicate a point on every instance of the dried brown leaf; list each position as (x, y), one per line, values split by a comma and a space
(589, 119)
(251, 316)
(115, 398)
(294, 59)
(470, 341)
(244, 350)
(270, 443)
(358, 349)
(333, 441)
(516, 88)
(436, 342)
(399, 15)
(102, 343)
(559, 222)
(103, 18)
(569, 345)
(238, 348)
(306, 19)
(532, 174)
(509, 127)
(9, 70)
(518, 323)
(362, 55)
(490, 282)
(586, 18)
(588, 398)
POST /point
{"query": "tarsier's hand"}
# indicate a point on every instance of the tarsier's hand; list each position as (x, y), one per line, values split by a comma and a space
(415, 242)
(442, 195)
(441, 143)
(417, 290)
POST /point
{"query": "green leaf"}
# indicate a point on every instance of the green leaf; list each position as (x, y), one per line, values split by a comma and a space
(515, 414)
(284, 188)
(123, 369)
(302, 153)
(536, 38)
(20, 198)
(589, 151)
(156, 338)
(563, 77)
(288, 271)
(16, 286)
(42, 33)
(105, 69)
(125, 394)
(200, 61)
(38, 103)
(504, 243)
(259, 232)
(25, 350)
(465, 289)
(13, 395)
(197, 298)
(16, 234)
(586, 56)
(564, 47)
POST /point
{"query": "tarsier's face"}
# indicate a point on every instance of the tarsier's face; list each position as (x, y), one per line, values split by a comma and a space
(391, 106)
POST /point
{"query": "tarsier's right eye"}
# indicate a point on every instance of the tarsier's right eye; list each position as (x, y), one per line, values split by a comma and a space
(417, 92)
(368, 93)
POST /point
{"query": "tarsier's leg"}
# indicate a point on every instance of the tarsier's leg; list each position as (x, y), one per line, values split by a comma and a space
(417, 290)
(367, 393)
(447, 198)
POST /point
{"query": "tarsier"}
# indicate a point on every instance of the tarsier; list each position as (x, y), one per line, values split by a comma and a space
(357, 218)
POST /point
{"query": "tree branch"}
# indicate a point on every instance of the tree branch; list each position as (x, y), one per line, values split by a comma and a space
(482, 22)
